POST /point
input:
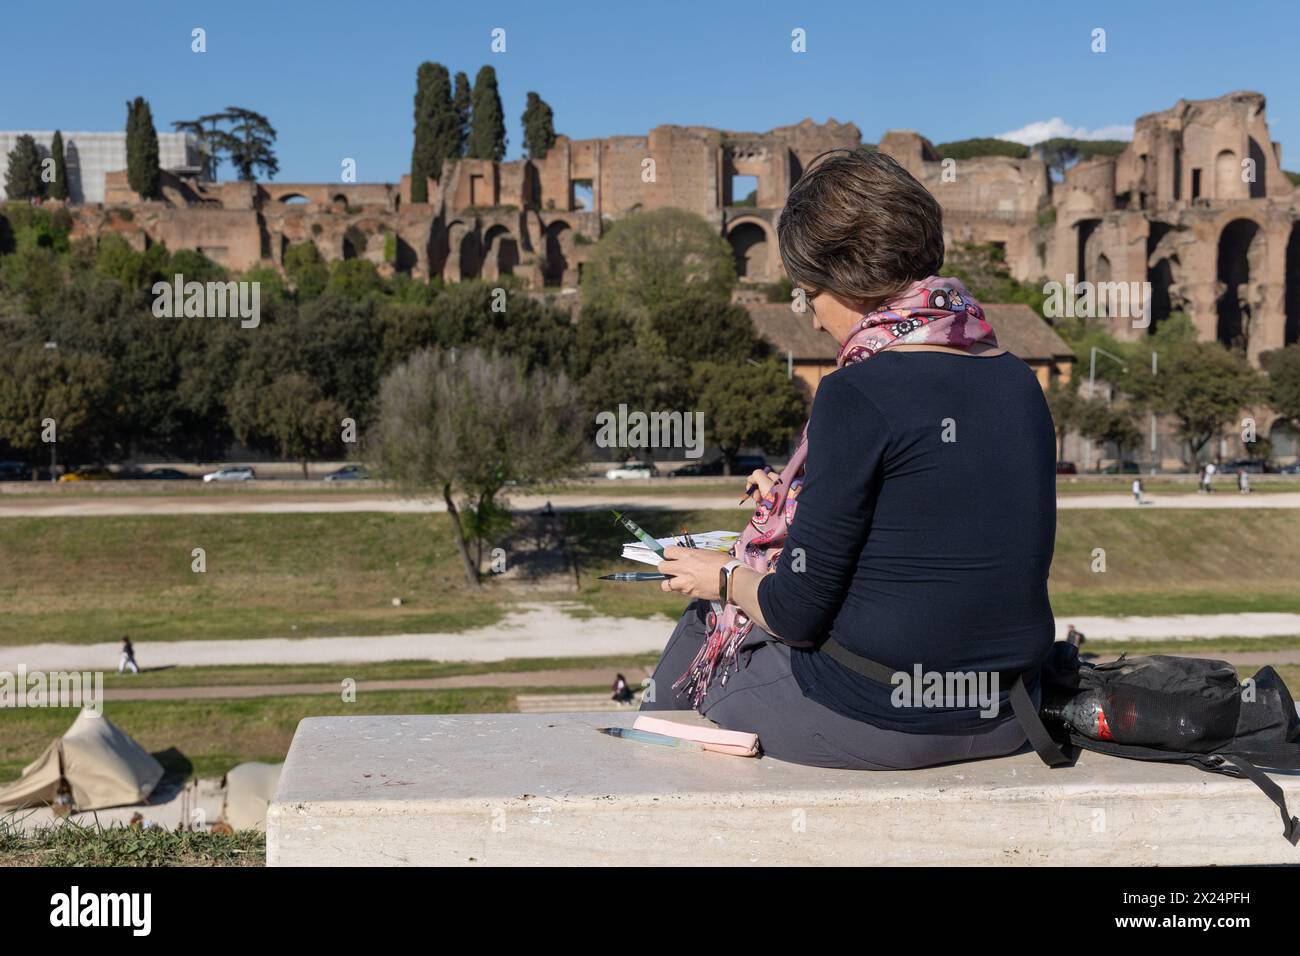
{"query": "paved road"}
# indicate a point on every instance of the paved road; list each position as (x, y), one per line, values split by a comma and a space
(31, 506)
(545, 630)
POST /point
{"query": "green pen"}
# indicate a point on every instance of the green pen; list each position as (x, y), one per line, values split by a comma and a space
(646, 737)
(641, 536)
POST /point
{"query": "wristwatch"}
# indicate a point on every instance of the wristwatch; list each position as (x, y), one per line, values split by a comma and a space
(724, 580)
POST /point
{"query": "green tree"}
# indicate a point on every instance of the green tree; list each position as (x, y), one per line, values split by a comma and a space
(437, 130)
(748, 407)
(248, 143)
(143, 172)
(1283, 367)
(306, 269)
(1203, 385)
(539, 127)
(1067, 408)
(462, 426)
(982, 146)
(487, 127)
(291, 416)
(1061, 153)
(463, 104)
(657, 260)
(59, 188)
(23, 177)
(39, 386)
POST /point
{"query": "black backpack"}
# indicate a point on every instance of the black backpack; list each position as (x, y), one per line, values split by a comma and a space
(1177, 709)
(1174, 709)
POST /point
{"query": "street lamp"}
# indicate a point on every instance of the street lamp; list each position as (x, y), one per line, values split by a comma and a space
(54, 445)
(1092, 387)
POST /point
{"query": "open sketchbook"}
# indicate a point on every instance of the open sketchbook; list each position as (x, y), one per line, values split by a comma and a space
(712, 540)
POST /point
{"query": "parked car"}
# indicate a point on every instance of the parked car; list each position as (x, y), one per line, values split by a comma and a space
(87, 474)
(348, 473)
(1066, 468)
(1252, 466)
(636, 469)
(1291, 469)
(697, 469)
(1122, 468)
(745, 464)
(243, 473)
(163, 474)
(15, 471)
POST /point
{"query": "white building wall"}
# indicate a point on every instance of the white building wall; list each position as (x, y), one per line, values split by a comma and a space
(91, 156)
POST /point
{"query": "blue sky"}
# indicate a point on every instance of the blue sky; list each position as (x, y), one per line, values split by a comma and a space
(337, 77)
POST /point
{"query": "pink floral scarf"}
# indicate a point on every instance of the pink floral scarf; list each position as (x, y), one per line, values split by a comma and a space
(933, 311)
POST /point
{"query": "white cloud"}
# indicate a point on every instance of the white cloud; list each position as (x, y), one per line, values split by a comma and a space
(1036, 132)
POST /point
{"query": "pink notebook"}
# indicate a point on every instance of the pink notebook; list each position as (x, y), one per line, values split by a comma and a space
(733, 742)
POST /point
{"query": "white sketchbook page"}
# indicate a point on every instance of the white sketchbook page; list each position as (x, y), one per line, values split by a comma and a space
(710, 540)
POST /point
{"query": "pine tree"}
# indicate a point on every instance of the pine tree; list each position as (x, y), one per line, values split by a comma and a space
(461, 100)
(23, 177)
(436, 133)
(143, 172)
(59, 188)
(539, 127)
(487, 128)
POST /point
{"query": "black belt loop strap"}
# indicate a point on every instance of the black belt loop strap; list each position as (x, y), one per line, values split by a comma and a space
(1021, 703)
(1290, 825)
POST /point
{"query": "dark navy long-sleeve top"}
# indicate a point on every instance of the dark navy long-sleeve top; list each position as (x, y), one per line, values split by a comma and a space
(923, 532)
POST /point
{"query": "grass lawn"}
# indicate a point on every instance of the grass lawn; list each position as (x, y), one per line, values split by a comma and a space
(76, 844)
(89, 579)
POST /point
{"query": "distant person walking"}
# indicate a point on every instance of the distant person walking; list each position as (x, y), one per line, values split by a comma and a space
(1207, 477)
(1075, 637)
(622, 691)
(128, 657)
(1137, 490)
(1243, 481)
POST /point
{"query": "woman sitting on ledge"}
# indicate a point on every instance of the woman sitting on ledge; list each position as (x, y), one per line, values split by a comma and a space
(926, 512)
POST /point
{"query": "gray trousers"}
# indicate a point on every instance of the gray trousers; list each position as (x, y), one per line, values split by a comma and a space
(763, 697)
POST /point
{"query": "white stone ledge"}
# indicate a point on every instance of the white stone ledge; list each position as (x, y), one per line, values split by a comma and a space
(521, 789)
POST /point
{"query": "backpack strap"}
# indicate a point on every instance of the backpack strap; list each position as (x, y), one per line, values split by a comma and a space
(1290, 825)
(1022, 705)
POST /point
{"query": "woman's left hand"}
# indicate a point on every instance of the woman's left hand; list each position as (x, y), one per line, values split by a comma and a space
(694, 571)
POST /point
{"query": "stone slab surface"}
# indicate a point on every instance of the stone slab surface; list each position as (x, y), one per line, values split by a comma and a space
(521, 789)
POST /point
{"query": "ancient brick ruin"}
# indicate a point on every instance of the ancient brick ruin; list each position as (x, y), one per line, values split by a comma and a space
(1198, 205)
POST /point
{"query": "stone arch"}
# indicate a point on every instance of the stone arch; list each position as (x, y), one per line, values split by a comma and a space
(1285, 440)
(1291, 333)
(1084, 231)
(750, 248)
(292, 199)
(1227, 175)
(500, 252)
(1102, 274)
(559, 245)
(469, 255)
(1161, 262)
(1257, 187)
(1241, 260)
(339, 202)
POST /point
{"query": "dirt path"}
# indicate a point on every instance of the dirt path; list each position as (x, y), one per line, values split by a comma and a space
(34, 506)
(546, 630)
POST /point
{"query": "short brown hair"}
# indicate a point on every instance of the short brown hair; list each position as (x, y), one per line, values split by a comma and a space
(859, 225)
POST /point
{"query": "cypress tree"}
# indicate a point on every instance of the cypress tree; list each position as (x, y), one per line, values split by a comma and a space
(436, 135)
(23, 177)
(487, 128)
(59, 188)
(539, 127)
(461, 102)
(143, 172)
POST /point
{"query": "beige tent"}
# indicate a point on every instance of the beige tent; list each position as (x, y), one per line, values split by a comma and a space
(249, 789)
(101, 764)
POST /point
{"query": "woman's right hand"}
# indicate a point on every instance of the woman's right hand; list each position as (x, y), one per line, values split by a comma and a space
(762, 482)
